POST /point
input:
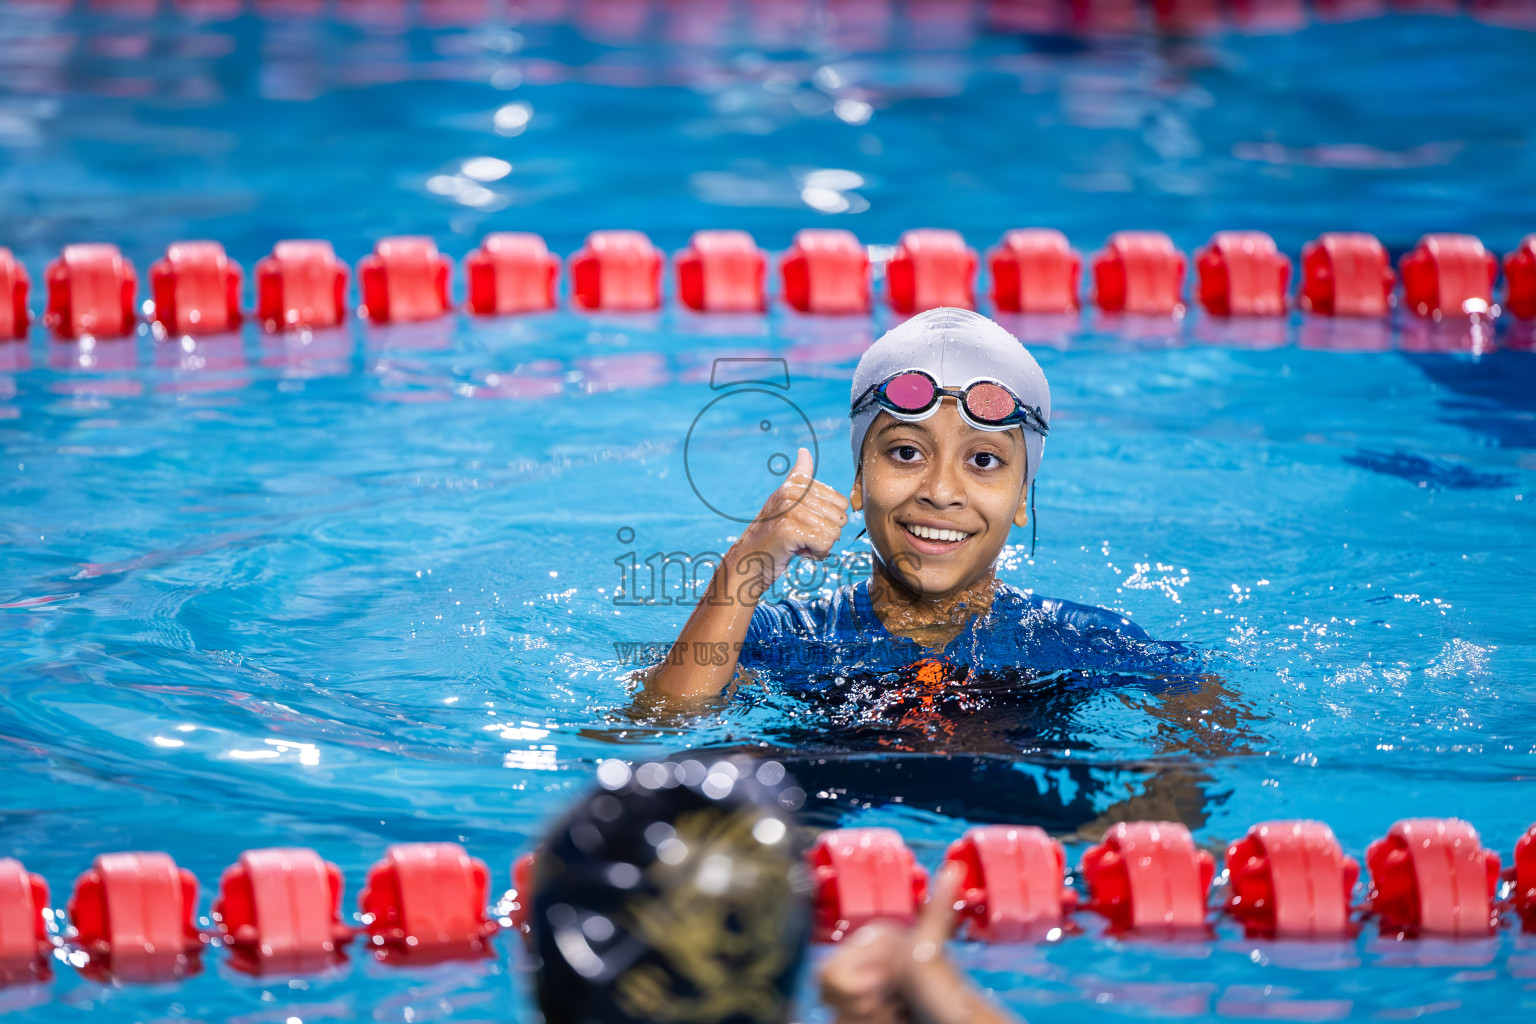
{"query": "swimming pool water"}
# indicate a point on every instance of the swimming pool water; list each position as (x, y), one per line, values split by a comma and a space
(358, 587)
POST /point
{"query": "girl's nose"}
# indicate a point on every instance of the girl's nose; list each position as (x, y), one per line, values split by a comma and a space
(944, 484)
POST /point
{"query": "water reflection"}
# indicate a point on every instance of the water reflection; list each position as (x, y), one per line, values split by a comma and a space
(1243, 332)
(308, 353)
(93, 354)
(541, 378)
(1520, 335)
(424, 336)
(14, 355)
(610, 373)
(720, 325)
(1052, 330)
(1471, 335)
(213, 363)
(426, 361)
(813, 357)
(1345, 334)
(1143, 329)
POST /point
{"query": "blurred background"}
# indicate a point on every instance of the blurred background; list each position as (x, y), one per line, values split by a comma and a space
(146, 121)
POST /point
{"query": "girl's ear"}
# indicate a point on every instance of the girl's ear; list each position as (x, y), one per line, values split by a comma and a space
(1021, 514)
(856, 494)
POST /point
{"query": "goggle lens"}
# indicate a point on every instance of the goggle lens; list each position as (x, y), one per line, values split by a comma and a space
(910, 392)
(989, 403)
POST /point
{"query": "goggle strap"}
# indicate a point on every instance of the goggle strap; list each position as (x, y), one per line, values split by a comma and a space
(1034, 522)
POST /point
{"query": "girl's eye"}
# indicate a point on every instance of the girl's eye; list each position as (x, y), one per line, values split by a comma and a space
(906, 453)
(986, 460)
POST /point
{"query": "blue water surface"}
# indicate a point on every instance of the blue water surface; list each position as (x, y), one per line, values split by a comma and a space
(361, 586)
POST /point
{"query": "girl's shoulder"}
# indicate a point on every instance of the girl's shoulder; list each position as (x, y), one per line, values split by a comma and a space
(1014, 605)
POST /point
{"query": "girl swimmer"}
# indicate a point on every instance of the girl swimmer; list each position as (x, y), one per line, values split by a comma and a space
(949, 419)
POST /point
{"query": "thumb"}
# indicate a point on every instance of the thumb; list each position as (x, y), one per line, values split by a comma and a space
(803, 465)
(936, 923)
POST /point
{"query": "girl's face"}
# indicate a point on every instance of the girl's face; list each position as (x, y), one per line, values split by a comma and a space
(939, 497)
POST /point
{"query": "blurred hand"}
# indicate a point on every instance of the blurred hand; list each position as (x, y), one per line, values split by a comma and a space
(803, 517)
(886, 974)
(859, 980)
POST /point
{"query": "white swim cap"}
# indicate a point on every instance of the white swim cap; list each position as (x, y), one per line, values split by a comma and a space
(955, 347)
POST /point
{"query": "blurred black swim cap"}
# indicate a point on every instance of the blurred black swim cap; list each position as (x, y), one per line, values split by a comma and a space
(675, 892)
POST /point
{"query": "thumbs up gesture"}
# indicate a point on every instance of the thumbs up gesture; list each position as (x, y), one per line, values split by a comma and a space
(802, 517)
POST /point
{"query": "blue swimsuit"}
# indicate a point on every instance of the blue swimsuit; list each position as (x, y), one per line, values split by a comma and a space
(984, 730)
(841, 632)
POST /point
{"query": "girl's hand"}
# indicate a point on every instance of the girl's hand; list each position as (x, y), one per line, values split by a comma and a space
(803, 517)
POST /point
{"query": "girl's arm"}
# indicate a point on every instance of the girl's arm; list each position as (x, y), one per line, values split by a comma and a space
(803, 517)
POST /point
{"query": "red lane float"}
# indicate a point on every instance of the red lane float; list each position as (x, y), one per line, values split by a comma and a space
(23, 929)
(1148, 875)
(14, 283)
(1035, 270)
(1523, 875)
(826, 271)
(1270, 15)
(1014, 882)
(1448, 275)
(428, 898)
(90, 292)
(405, 279)
(863, 875)
(281, 906)
(196, 289)
(722, 272)
(1242, 274)
(931, 267)
(1346, 273)
(301, 285)
(132, 912)
(1187, 16)
(1431, 876)
(511, 272)
(617, 271)
(1290, 880)
(1139, 272)
(522, 892)
(1519, 276)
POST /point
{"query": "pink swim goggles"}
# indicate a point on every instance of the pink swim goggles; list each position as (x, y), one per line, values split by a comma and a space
(985, 404)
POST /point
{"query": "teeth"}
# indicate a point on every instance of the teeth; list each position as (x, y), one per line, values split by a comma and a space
(928, 533)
